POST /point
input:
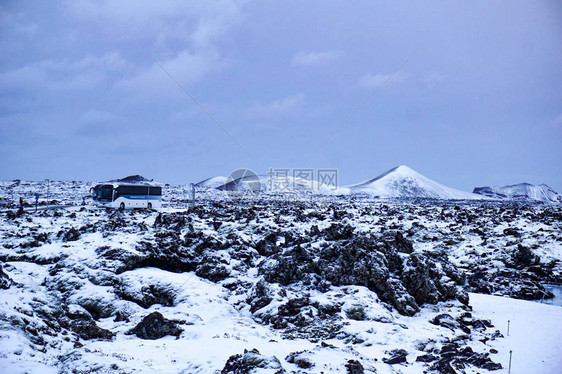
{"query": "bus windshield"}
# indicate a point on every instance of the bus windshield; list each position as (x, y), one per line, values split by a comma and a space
(102, 192)
(105, 193)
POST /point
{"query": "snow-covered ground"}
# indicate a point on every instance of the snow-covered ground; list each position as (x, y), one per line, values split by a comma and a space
(333, 286)
(535, 335)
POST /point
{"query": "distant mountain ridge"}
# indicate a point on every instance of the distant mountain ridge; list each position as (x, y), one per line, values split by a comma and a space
(133, 179)
(281, 184)
(213, 182)
(521, 192)
(400, 182)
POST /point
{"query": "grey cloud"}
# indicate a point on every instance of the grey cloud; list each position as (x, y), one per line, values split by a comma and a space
(16, 24)
(314, 58)
(281, 107)
(376, 80)
(63, 74)
(200, 22)
(94, 115)
(186, 67)
(78, 74)
(433, 78)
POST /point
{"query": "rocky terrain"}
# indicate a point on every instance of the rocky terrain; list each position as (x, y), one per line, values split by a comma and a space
(268, 286)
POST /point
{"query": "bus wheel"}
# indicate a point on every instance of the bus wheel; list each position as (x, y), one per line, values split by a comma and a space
(149, 206)
(122, 206)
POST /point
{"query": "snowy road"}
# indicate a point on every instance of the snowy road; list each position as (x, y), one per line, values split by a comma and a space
(40, 207)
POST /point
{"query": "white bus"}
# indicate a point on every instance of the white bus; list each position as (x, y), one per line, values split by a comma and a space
(125, 196)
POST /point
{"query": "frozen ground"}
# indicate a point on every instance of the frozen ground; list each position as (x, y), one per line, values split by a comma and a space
(535, 336)
(338, 286)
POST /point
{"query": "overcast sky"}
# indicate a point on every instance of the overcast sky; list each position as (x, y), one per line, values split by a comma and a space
(84, 92)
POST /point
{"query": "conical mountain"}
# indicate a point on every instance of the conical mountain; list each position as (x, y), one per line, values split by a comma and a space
(403, 182)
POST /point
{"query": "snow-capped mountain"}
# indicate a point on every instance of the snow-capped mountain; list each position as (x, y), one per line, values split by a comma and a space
(399, 182)
(282, 184)
(521, 191)
(403, 182)
(212, 182)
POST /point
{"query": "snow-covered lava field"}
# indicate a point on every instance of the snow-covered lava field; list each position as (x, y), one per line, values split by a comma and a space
(276, 285)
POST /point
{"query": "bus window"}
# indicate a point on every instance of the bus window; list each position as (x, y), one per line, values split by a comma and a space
(155, 191)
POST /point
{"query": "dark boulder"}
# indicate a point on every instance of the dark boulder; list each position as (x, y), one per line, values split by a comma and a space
(356, 312)
(10, 214)
(443, 366)
(523, 257)
(452, 356)
(268, 245)
(445, 320)
(397, 356)
(118, 258)
(167, 254)
(479, 282)
(354, 263)
(155, 326)
(510, 231)
(354, 367)
(396, 293)
(149, 295)
(338, 231)
(431, 280)
(116, 221)
(448, 350)
(293, 265)
(5, 280)
(426, 358)
(293, 306)
(82, 323)
(482, 360)
(170, 221)
(401, 244)
(300, 359)
(250, 362)
(314, 231)
(70, 235)
(419, 279)
(87, 329)
(212, 269)
(259, 296)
